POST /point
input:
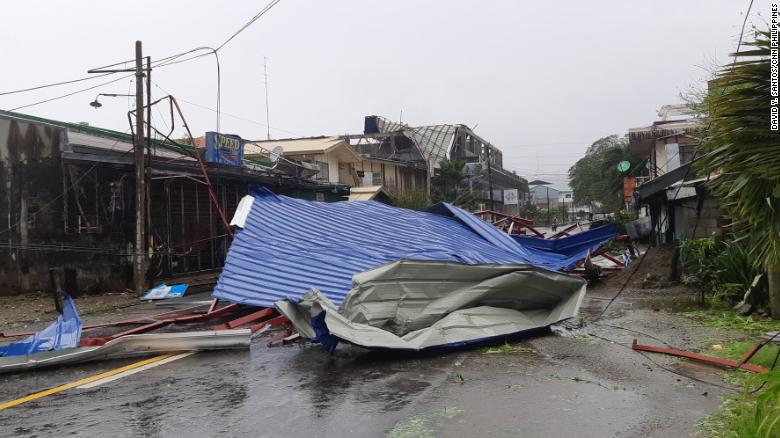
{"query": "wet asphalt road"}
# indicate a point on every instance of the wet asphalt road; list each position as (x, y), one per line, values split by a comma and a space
(279, 391)
(555, 385)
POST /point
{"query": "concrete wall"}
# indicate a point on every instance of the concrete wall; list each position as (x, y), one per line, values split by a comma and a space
(395, 177)
(35, 232)
(710, 222)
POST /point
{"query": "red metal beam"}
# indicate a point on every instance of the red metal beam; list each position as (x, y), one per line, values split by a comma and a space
(246, 319)
(702, 358)
(564, 232)
(179, 320)
(504, 215)
(611, 259)
(280, 320)
(533, 230)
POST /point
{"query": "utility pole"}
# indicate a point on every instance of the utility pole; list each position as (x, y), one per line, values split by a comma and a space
(548, 206)
(267, 115)
(139, 265)
(490, 178)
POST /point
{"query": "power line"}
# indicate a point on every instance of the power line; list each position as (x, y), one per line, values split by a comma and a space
(86, 78)
(39, 87)
(249, 23)
(70, 94)
(742, 31)
(160, 63)
(224, 113)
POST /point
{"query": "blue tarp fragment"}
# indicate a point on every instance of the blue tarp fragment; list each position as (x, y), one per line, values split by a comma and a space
(63, 333)
(288, 246)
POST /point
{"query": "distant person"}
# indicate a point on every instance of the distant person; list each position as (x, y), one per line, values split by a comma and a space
(555, 224)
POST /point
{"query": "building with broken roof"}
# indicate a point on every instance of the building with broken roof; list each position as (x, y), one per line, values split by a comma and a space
(69, 205)
(426, 147)
(677, 199)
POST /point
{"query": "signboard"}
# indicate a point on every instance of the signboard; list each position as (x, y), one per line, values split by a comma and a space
(225, 149)
(510, 197)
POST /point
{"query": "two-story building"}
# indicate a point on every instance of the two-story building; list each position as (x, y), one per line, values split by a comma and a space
(670, 187)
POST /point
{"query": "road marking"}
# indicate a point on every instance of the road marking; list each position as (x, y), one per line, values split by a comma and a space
(80, 382)
(123, 374)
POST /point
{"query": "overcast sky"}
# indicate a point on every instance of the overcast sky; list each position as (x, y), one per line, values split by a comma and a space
(541, 80)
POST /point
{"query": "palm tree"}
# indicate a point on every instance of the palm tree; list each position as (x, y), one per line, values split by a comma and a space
(746, 153)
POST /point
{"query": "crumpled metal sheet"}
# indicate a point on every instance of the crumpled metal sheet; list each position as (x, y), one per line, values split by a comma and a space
(287, 246)
(415, 305)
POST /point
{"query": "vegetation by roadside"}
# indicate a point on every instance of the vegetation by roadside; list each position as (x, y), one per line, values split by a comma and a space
(755, 411)
(753, 414)
(730, 320)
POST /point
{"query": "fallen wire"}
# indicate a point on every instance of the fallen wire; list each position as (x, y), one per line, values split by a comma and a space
(625, 283)
(666, 368)
(639, 332)
(774, 362)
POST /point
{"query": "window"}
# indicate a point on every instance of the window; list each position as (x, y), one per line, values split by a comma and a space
(686, 153)
(376, 178)
(323, 175)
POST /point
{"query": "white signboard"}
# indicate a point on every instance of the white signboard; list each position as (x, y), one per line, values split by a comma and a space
(510, 197)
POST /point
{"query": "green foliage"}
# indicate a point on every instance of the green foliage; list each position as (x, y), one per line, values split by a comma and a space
(745, 152)
(595, 178)
(446, 182)
(412, 199)
(736, 350)
(750, 415)
(621, 217)
(730, 320)
(722, 271)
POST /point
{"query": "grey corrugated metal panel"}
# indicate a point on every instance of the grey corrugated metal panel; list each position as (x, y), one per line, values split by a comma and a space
(414, 305)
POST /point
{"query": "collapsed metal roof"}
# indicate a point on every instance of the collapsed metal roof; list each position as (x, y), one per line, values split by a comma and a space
(434, 141)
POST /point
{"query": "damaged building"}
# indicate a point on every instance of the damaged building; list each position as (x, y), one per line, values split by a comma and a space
(676, 197)
(68, 205)
(393, 158)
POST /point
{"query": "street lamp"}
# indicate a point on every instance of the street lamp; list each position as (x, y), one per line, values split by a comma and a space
(95, 104)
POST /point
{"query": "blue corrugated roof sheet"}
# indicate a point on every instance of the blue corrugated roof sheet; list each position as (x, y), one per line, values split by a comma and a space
(288, 246)
(573, 245)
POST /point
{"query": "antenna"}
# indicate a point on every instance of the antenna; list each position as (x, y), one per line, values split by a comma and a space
(267, 116)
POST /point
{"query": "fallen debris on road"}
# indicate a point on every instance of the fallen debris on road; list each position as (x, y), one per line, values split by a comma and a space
(64, 333)
(163, 292)
(719, 361)
(416, 305)
(285, 247)
(132, 345)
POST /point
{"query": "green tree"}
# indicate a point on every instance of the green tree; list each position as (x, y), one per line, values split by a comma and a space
(447, 180)
(595, 177)
(745, 153)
